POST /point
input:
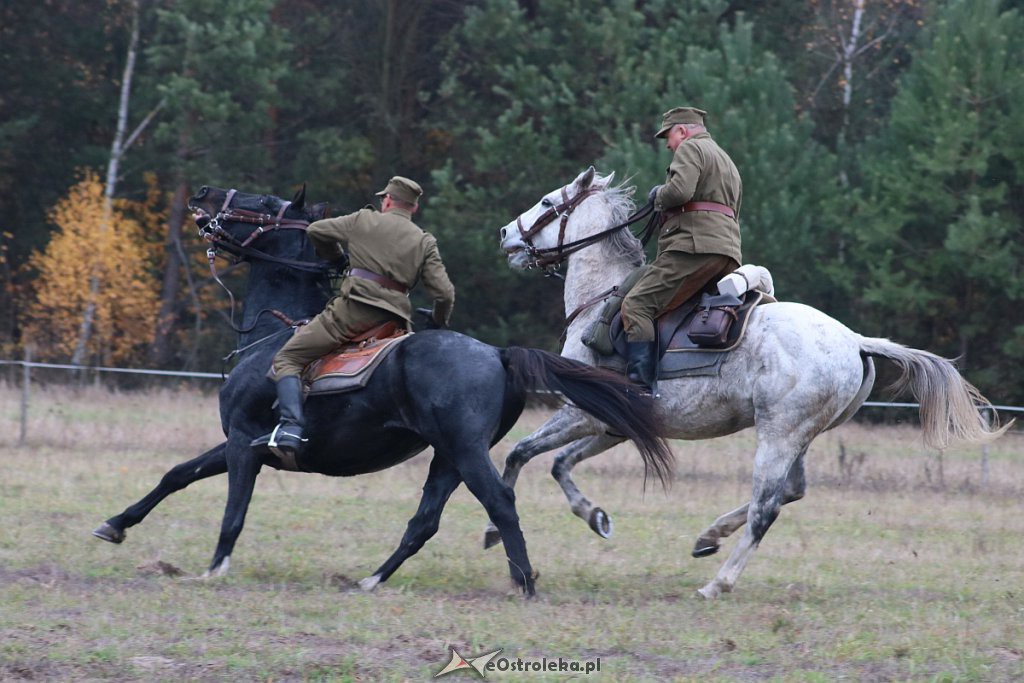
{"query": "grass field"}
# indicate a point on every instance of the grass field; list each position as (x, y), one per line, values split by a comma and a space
(898, 565)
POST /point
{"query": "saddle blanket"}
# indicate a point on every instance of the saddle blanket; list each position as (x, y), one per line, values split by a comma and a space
(350, 367)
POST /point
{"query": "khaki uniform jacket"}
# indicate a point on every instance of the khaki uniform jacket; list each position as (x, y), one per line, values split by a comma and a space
(388, 244)
(701, 172)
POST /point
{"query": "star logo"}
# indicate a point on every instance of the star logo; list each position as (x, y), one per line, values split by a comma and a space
(459, 662)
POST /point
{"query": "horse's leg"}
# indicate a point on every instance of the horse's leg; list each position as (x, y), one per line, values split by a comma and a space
(210, 463)
(243, 466)
(499, 500)
(708, 542)
(585, 448)
(565, 426)
(772, 464)
(441, 481)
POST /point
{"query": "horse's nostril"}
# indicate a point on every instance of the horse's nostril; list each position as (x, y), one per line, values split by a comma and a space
(504, 234)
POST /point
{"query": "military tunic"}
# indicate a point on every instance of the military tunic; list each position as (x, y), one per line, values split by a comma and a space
(388, 244)
(694, 246)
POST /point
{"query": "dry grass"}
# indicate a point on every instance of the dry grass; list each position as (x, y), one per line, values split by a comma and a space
(899, 564)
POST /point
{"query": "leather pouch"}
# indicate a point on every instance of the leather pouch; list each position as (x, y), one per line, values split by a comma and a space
(711, 324)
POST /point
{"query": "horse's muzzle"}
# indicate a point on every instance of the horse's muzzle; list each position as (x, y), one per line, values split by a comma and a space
(518, 258)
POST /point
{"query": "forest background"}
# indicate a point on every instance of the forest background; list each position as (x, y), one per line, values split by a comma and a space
(881, 145)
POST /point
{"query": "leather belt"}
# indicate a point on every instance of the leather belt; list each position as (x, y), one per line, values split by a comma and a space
(381, 280)
(714, 207)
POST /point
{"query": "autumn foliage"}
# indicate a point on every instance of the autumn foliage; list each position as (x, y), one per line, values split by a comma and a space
(93, 239)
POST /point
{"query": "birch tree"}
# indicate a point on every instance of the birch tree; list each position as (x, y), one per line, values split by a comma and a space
(118, 148)
(83, 250)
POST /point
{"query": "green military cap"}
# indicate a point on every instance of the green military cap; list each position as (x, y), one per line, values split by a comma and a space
(674, 117)
(408, 191)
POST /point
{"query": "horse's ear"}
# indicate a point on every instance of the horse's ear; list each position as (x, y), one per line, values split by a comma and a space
(317, 211)
(299, 200)
(585, 179)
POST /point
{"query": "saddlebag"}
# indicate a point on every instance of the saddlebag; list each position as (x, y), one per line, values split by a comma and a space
(713, 320)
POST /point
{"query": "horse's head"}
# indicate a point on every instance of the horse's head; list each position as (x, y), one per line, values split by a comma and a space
(551, 229)
(237, 220)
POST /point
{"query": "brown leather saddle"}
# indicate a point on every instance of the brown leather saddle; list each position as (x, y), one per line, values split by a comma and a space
(352, 365)
(679, 355)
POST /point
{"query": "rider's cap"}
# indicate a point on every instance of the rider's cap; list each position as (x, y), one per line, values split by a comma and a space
(674, 117)
(408, 191)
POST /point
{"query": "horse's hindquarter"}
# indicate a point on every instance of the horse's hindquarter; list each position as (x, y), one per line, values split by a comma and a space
(795, 364)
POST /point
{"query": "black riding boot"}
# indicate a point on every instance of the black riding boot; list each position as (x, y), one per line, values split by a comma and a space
(286, 441)
(642, 365)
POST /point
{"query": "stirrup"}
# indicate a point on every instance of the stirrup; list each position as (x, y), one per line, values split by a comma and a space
(269, 444)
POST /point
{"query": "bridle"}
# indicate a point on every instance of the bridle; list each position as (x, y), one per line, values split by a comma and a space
(212, 231)
(549, 258)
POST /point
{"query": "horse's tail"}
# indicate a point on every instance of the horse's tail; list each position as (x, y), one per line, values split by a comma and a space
(950, 405)
(609, 397)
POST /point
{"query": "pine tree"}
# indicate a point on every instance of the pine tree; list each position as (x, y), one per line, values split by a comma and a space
(217, 63)
(531, 99)
(941, 229)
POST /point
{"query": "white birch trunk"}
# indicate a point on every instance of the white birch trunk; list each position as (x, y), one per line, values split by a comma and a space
(850, 50)
(117, 149)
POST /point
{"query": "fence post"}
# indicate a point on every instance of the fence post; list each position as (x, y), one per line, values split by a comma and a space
(986, 416)
(26, 379)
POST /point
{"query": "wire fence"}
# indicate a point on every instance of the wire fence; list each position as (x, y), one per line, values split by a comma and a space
(28, 365)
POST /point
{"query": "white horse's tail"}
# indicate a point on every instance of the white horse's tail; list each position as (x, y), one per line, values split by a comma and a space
(950, 405)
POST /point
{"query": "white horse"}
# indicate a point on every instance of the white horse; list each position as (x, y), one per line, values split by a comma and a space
(796, 374)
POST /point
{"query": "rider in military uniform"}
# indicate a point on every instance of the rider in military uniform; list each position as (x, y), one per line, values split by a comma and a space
(700, 236)
(387, 256)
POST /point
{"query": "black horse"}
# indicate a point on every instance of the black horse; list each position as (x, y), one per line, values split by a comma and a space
(438, 388)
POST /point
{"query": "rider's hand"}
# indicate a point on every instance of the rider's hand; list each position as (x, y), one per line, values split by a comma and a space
(652, 194)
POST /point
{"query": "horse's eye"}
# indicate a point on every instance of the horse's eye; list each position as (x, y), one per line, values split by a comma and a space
(545, 202)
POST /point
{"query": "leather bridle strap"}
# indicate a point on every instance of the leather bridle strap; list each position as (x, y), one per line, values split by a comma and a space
(553, 255)
(563, 211)
(603, 296)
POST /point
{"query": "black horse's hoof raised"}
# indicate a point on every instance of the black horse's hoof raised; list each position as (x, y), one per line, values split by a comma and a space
(601, 523)
(492, 537)
(108, 533)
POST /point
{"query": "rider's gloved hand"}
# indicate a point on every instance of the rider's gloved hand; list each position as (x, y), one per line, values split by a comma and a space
(652, 194)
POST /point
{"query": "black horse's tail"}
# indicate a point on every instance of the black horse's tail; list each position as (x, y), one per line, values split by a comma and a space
(607, 396)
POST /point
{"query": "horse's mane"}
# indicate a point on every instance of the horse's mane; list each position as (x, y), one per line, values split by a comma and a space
(619, 199)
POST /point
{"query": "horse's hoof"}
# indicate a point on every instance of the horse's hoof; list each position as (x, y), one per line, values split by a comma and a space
(704, 547)
(492, 537)
(601, 523)
(218, 569)
(369, 583)
(709, 592)
(108, 533)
